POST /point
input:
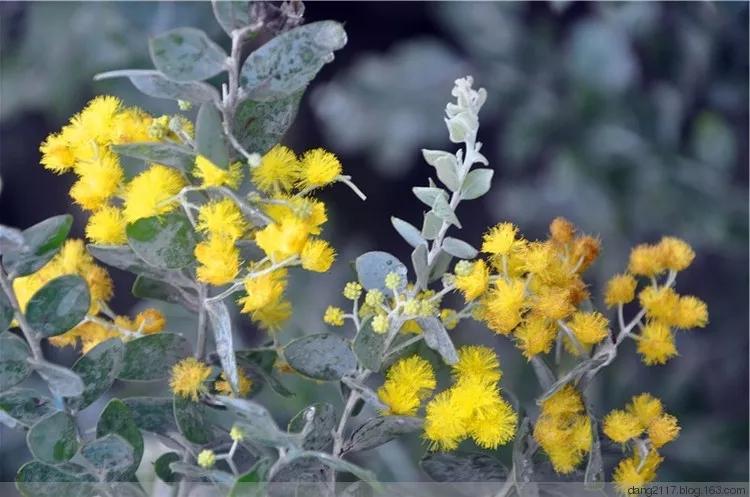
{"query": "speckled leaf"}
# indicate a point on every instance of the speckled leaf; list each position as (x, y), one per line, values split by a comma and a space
(151, 357)
(305, 476)
(6, 312)
(210, 139)
(23, 406)
(98, 369)
(369, 347)
(61, 381)
(380, 430)
(258, 424)
(13, 365)
(53, 438)
(10, 239)
(232, 14)
(152, 414)
(436, 337)
(165, 242)
(322, 417)
(259, 363)
(419, 264)
(288, 62)
(154, 84)
(162, 469)
(192, 421)
(123, 257)
(372, 268)
(323, 356)
(37, 479)
(42, 241)
(463, 467)
(110, 455)
(162, 153)
(186, 54)
(116, 418)
(149, 288)
(258, 126)
(221, 324)
(59, 305)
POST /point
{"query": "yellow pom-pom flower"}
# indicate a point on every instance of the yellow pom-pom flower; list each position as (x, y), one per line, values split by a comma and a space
(645, 407)
(282, 240)
(675, 254)
(107, 226)
(563, 429)
(621, 426)
(318, 168)
(273, 316)
(206, 459)
(56, 154)
(152, 192)
(278, 170)
(223, 386)
(660, 303)
(656, 343)
(645, 260)
(263, 290)
(188, 378)
(219, 261)
(692, 312)
(317, 255)
(500, 239)
(380, 323)
(535, 335)
(221, 218)
(620, 290)
(503, 305)
(212, 175)
(99, 180)
(352, 290)
(663, 430)
(408, 382)
(479, 363)
(634, 472)
(474, 282)
(589, 328)
(334, 316)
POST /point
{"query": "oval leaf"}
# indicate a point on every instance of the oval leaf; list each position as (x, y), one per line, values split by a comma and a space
(23, 406)
(459, 248)
(186, 54)
(408, 232)
(436, 337)
(154, 84)
(98, 369)
(322, 421)
(381, 430)
(151, 357)
(42, 241)
(369, 347)
(162, 469)
(116, 418)
(209, 136)
(372, 268)
(53, 439)
(163, 153)
(324, 356)
(165, 242)
(14, 367)
(221, 324)
(477, 183)
(258, 126)
(61, 381)
(153, 414)
(33, 480)
(192, 421)
(110, 455)
(232, 14)
(59, 305)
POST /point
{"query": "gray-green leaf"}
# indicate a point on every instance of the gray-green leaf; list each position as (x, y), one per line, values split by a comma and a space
(380, 430)
(154, 84)
(408, 232)
(23, 406)
(436, 337)
(221, 324)
(428, 194)
(53, 439)
(6, 312)
(151, 357)
(42, 241)
(477, 183)
(13, 365)
(98, 369)
(192, 421)
(111, 455)
(444, 211)
(463, 467)
(288, 62)
(209, 136)
(37, 479)
(373, 267)
(61, 381)
(258, 424)
(431, 225)
(162, 469)
(322, 421)
(168, 154)
(323, 356)
(59, 305)
(446, 166)
(369, 347)
(152, 414)
(187, 54)
(165, 242)
(258, 125)
(116, 418)
(459, 248)
(232, 14)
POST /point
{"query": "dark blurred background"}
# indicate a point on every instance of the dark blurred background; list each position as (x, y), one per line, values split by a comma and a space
(630, 119)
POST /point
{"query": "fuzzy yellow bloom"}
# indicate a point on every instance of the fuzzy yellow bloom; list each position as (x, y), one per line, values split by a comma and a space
(212, 175)
(206, 458)
(645, 407)
(222, 218)
(621, 426)
(317, 255)
(95, 121)
(567, 400)
(663, 430)
(188, 377)
(99, 180)
(408, 382)
(563, 429)
(620, 290)
(562, 231)
(553, 303)
(56, 154)
(585, 251)
(645, 260)
(147, 322)
(503, 305)
(660, 303)
(107, 226)
(475, 282)
(218, 259)
(278, 170)
(283, 240)
(352, 290)
(632, 472)
(334, 316)
(88, 333)
(308, 210)
(131, 125)
(151, 192)
(393, 280)
(692, 312)
(500, 239)
(449, 318)
(237, 433)
(380, 323)
(223, 386)
(537, 257)
(476, 362)
(675, 254)
(442, 427)
(493, 425)
(318, 168)
(656, 343)
(272, 316)
(589, 328)
(263, 290)
(535, 335)
(374, 297)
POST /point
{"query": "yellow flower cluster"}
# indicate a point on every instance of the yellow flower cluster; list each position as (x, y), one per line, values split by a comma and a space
(472, 407)
(563, 429)
(644, 414)
(189, 378)
(407, 384)
(665, 310)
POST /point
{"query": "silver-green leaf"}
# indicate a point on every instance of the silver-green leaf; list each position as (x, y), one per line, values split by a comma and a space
(187, 54)
(408, 232)
(477, 183)
(459, 248)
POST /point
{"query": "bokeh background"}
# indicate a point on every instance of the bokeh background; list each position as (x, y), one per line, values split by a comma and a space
(631, 119)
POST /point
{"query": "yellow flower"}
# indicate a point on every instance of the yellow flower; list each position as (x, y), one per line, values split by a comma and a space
(692, 312)
(621, 426)
(151, 192)
(589, 327)
(562, 231)
(219, 261)
(503, 305)
(206, 458)
(263, 290)
(188, 377)
(645, 407)
(475, 282)
(553, 303)
(309, 211)
(317, 255)
(442, 427)
(352, 290)
(563, 429)
(660, 303)
(500, 239)
(656, 343)
(272, 316)
(90, 335)
(675, 254)
(632, 472)
(380, 323)
(663, 430)
(567, 400)
(408, 382)
(223, 386)
(148, 322)
(212, 175)
(99, 180)
(537, 257)
(493, 425)
(374, 297)
(535, 335)
(449, 318)
(280, 241)
(620, 290)
(334, 316)
(277, 171)
(130, 126)
(318, 168)
(107, 226)
(221, 218)
(476, 362)
(94, 122)
(56, 154)
(585, 251)
(237, 433)
(645, 260)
